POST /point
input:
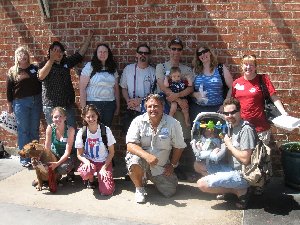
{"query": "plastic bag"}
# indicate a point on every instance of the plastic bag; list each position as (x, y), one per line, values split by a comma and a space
(8, 122)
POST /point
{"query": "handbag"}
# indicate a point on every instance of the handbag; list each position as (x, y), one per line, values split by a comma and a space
(270, 109)
(8, 122)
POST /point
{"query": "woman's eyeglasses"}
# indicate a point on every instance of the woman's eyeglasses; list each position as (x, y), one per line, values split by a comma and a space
(230, 113)
(143, 53)
(202, 52)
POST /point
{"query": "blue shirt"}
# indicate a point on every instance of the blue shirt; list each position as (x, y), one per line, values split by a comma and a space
(213, 85)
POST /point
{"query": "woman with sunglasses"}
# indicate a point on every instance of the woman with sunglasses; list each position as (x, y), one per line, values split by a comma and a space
(247, 90)
(99, 84)
(210, 83)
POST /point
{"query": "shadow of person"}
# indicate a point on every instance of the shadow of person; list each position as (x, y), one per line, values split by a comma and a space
(275, 203)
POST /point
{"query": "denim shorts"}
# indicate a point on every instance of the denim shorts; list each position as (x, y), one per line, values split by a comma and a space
(224, 176)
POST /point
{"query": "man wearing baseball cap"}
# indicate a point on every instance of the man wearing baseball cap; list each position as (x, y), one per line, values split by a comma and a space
(162, 70)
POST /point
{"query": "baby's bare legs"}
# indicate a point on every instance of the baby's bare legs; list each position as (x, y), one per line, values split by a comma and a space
(173, 108)
(185, 111)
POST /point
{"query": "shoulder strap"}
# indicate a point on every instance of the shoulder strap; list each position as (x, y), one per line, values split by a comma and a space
(220, 69)
(221, 72)
(84, 134)
(103, 134)
(263, 87)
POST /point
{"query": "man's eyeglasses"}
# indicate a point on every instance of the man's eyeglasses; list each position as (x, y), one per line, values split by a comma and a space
(231, 113)
(202, 52)
(143, 53)
(176, 49)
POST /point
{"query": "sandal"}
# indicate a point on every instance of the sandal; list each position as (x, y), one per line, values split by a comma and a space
(243, 200)
(70, 178)
(90, 185)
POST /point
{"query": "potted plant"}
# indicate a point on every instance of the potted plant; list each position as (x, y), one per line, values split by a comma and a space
(290, 160)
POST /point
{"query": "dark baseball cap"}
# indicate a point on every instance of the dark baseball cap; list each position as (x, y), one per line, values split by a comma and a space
(176, 41)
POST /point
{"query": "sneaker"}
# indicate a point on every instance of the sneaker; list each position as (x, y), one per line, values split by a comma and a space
(140, 195)
(26, 164)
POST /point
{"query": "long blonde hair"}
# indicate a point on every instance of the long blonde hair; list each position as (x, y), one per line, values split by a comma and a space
(198, 65)
(14, 70)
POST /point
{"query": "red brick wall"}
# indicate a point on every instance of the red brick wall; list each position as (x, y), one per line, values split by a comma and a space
(269, 29)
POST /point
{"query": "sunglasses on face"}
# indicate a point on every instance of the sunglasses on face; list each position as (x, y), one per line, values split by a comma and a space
(230, 113)
(202, 52)
(143, 53)
(176, 49)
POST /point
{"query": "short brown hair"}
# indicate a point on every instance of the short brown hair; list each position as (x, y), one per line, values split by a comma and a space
(232, 101)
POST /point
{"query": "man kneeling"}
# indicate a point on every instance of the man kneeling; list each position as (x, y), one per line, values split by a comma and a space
(150, 140)
(227, 178)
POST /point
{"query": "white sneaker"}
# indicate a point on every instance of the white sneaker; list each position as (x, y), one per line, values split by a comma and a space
(140, 195)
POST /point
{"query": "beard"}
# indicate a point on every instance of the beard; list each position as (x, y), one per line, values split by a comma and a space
(143, 59)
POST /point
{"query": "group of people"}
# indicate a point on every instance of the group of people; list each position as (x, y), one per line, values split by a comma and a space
(155, 141)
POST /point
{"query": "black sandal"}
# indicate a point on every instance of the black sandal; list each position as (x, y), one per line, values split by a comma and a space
(243, 200)
(90, 185)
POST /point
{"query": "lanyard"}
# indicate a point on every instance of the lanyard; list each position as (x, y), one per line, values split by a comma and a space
(134, 80)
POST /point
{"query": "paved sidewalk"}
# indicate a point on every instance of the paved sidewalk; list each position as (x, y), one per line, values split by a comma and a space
(72, 204)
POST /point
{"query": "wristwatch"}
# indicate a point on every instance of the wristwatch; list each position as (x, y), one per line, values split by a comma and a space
(175, 165)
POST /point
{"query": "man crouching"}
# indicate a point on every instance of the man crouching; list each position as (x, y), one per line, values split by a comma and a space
(150, 140)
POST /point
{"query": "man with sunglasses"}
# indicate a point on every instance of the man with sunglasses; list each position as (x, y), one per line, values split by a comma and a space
(162, 70)
(223, 179)
(136, 83)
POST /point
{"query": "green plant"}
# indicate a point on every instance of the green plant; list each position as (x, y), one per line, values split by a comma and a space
(291, 147)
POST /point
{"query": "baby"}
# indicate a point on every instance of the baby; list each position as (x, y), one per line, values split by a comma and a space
(176, 83)
(209, 147)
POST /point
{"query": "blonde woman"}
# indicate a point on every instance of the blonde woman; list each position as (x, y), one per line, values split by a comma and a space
(60, 141)
(247, 90)
(24, 99)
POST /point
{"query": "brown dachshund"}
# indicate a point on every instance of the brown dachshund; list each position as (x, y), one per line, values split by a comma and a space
(40, 159)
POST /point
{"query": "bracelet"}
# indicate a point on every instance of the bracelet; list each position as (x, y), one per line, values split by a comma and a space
(175, 165)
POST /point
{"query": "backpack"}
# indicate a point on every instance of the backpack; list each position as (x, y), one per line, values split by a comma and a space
(103, 134)
(225, 87)
(259, 171)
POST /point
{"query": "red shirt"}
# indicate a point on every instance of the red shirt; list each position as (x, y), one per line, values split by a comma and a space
(250, 95)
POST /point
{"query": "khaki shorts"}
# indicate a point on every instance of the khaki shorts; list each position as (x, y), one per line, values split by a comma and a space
(166, 185)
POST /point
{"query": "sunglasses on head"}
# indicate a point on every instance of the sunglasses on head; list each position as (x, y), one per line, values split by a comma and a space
(230, 113)
(143, 53)
(202, 52)
(176, 49)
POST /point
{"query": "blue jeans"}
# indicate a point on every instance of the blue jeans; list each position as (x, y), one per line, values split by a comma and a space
(28, 113)
(106, 110)
(70, 115)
